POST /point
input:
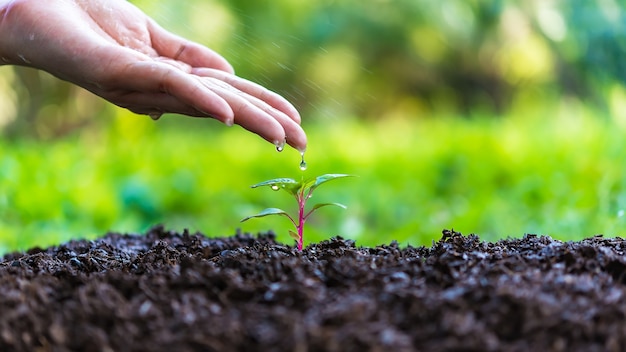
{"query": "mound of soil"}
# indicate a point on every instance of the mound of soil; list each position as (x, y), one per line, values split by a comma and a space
(165, 291)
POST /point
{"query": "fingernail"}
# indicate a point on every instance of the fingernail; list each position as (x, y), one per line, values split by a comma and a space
(228, 121)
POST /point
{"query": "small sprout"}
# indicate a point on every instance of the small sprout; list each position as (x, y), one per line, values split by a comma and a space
(302, 191)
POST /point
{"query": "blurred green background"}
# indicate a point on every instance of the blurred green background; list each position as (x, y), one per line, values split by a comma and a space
(492, 117)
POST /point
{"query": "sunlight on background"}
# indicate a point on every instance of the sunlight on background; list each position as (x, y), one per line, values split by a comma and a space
(497, 118)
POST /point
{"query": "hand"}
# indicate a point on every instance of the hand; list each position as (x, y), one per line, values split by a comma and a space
(116, 51)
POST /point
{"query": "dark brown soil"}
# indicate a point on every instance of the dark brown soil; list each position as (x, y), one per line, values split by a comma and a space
(179, 292)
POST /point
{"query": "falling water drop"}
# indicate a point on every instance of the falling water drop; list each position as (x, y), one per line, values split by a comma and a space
(274, 187)
(302, 162)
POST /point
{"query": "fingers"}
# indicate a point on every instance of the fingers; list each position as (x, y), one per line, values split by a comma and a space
(152, 103)
(154, 87)
(258, 116)
(252, 89)
(165, 88)
(174, 47)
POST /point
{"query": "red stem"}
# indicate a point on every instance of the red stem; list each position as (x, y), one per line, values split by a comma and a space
(301, 219)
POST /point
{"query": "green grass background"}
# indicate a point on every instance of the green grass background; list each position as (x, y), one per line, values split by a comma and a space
(402, 94)
(558, 172)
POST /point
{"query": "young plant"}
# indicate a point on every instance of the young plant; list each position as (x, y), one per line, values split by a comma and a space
(302, 191)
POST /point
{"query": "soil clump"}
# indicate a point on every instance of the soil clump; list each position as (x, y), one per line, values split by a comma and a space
(166, 291)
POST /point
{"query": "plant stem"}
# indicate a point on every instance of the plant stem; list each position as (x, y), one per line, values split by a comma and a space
(301, 219)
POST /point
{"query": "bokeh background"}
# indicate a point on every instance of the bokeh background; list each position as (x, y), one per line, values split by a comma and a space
(491, 117)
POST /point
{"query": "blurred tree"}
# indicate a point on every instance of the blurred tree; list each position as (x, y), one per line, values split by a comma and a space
(441, 55)
(48, 108)
(588, 39)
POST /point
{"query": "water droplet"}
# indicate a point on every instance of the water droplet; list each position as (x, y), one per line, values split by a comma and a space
(302, 162)
(279, 146)
(155, 115)
(274, 187)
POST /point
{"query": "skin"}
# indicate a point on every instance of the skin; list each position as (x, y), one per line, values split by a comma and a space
(114, 50)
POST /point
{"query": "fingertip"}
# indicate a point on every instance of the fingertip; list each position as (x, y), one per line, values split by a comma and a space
(271, 132)
(218, 62)
(294, 114)
(227, 119)
(228, 68)
(298, 142)
(302, 148)
(219, 110)
(281, 104)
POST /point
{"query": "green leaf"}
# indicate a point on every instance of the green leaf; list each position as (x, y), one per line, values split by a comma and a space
(276, 181)
(319, 205)
(325, 178)
(288, 184)
(269, 211)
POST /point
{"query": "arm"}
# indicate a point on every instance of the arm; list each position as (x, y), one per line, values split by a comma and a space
(114, 50)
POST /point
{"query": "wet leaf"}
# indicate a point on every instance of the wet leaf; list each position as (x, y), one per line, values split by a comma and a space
(288, 184)
(268, 212)
(325, 178)
(319, 205)
(276, 181)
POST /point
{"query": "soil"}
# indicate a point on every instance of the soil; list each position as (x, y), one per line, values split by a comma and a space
(165, 291)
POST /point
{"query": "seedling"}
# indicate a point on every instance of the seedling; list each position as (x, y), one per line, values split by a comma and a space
(302, 191)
